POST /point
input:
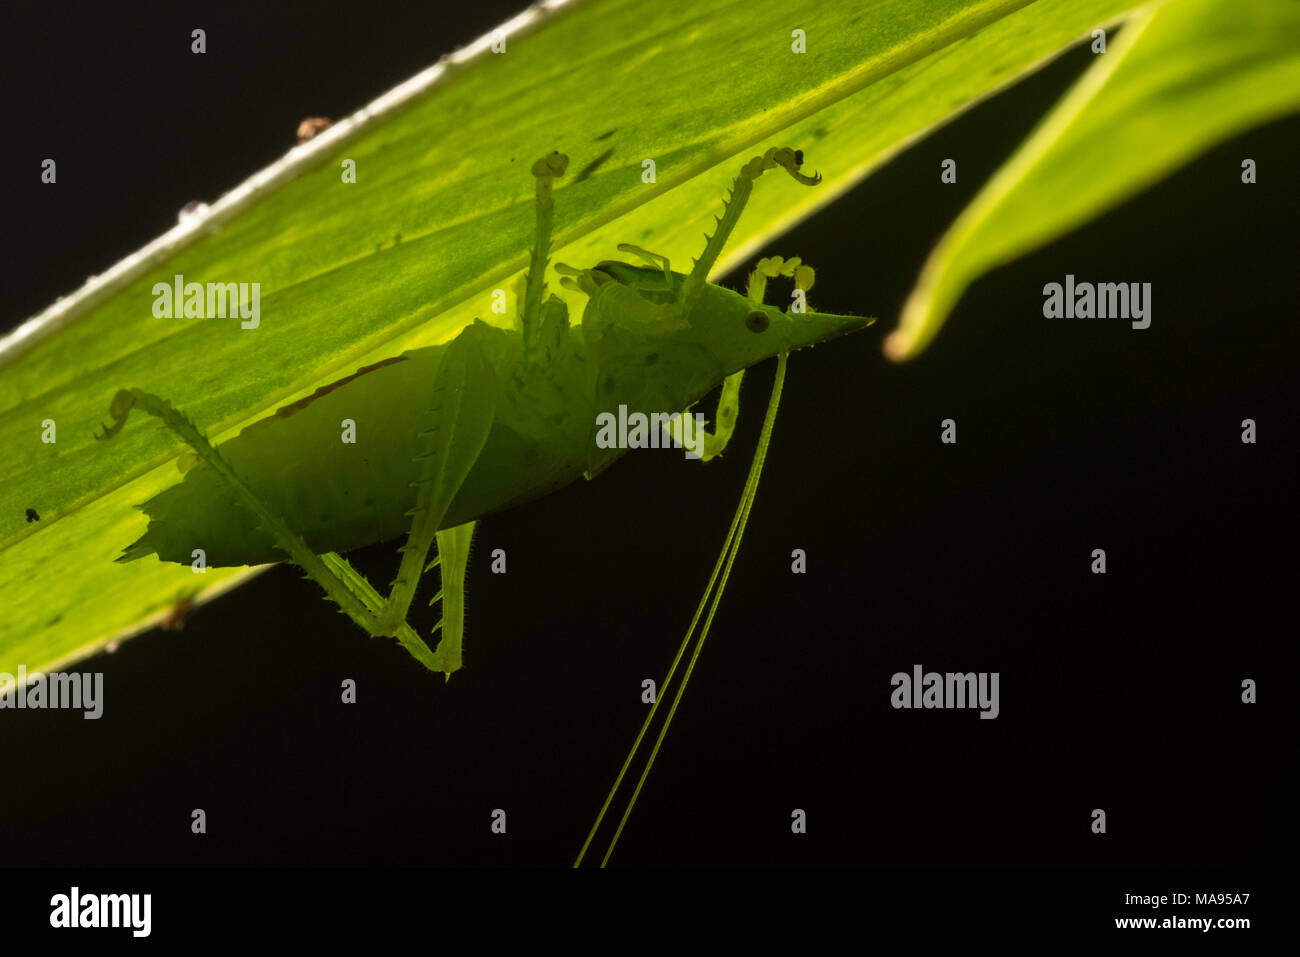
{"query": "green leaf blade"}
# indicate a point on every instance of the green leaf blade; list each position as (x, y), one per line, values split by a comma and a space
(1181, 77)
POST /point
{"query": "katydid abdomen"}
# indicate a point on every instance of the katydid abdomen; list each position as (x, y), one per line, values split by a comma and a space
(341, 495)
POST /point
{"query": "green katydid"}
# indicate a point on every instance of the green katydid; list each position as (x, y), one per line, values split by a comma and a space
(489, 420)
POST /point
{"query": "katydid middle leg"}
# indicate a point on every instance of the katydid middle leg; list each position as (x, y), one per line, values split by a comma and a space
(457, 428)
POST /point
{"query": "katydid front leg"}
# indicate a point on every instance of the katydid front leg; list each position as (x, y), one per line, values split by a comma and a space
(784, 157)
(724, 425)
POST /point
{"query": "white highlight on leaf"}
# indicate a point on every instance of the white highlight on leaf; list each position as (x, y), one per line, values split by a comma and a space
(192, 211)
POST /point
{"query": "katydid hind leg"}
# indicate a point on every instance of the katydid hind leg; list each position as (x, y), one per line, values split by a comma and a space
(459, 420)
(453, 558)
(342, 591)
(456, 427)
(374, 601)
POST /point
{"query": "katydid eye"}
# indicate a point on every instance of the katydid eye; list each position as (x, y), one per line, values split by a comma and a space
(757, 321)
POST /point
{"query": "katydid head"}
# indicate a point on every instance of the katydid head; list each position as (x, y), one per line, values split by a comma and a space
(636, 318)
(740, 332)
(732, 329)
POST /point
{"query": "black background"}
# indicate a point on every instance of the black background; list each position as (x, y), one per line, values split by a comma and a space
(1120, 692)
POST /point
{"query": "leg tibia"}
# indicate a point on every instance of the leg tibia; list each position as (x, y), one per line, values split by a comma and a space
(713, 443)
(545, 169)
(456, 428)
(453, 553)
(375, 602)
(788, 159)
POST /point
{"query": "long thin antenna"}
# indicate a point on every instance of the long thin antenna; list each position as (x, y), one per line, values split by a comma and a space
(722, 567)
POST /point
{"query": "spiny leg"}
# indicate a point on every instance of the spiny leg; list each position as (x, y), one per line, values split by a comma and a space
(453, 557)
(457, 426)
(453, 553)
(729, 401)
(341, 582)
(460, 419)
(788, 159)
(546, 169)
(375, 602)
